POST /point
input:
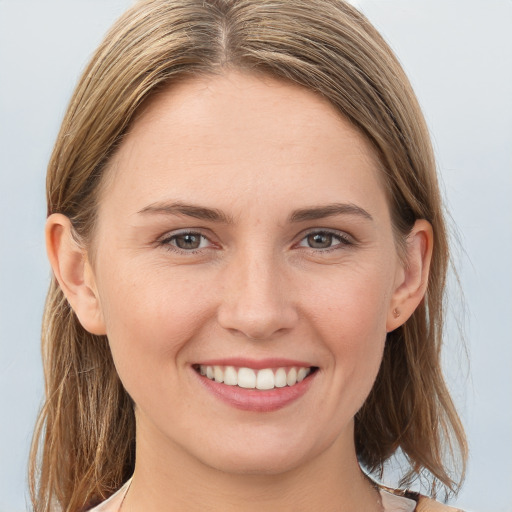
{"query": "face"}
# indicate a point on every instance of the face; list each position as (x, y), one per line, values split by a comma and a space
(244, 233)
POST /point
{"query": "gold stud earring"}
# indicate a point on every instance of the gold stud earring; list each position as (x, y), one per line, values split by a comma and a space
(396, 312)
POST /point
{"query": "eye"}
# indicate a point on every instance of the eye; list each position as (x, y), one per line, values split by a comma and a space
(186, 241)
(324, 240)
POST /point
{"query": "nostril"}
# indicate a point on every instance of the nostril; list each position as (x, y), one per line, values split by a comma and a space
(255, 299)
(257, 323)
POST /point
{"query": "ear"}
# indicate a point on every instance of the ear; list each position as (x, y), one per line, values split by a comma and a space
(74, 273)
(412, 279)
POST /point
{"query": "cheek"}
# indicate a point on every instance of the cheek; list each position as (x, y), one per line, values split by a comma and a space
(354, 305)
(351, 319)
(150, 316)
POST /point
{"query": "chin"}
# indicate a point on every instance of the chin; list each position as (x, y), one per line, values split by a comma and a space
(256, 464)
(264, 455)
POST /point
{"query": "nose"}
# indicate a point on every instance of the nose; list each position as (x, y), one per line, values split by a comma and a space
(257, 298)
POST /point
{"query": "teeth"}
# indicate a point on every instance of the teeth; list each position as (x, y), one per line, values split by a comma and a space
(301, 374)
(265, 379)
(248, 378)
(230, 376)
(218, 374)
(291, 378)
(280, 378)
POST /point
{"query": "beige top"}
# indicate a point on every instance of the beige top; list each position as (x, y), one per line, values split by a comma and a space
(390, 503)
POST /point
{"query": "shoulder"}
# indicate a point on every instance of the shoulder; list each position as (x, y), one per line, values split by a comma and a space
(113, 504)
(428, 505)
(405, 501)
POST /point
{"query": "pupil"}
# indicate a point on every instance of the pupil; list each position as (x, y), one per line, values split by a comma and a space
(188, 241)
(320, 240)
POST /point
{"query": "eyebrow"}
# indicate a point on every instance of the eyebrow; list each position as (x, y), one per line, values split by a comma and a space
(189, 210)
(330, 210)
(215, 215)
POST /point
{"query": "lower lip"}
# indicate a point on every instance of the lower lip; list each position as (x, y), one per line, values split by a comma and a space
(254, 399)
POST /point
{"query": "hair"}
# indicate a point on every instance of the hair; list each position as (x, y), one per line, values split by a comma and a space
(84, 442)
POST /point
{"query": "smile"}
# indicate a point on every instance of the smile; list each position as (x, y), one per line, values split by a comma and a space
(263, 385)
(262, 379)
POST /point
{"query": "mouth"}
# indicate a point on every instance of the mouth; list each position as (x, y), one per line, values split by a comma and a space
(263, 379)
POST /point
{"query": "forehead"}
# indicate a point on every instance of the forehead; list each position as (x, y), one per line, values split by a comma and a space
(258, 106)
(252, 132)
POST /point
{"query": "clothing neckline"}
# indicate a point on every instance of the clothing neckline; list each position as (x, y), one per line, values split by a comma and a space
(391, 501)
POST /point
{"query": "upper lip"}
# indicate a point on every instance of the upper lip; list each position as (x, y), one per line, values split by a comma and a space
(255, 364)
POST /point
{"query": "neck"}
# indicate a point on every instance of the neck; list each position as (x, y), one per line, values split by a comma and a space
(331, 481)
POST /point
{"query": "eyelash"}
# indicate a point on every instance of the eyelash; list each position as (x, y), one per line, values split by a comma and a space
(167, 242)
(343, 240)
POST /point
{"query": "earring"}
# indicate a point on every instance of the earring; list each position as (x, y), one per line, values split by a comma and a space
(396, 312)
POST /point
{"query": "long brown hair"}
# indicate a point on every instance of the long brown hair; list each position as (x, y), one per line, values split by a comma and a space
(83, 446)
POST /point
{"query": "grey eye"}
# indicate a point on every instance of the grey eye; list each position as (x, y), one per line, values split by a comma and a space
(188, 241)
(320, 240)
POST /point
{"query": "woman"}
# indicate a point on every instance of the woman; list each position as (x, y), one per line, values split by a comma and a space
(249, 255)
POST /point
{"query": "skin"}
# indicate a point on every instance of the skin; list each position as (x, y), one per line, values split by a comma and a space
(256, 150)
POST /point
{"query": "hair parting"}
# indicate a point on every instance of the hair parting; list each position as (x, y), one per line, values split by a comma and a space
(84, 442)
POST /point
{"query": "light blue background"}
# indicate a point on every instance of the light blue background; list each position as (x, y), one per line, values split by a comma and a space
(458, 54)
